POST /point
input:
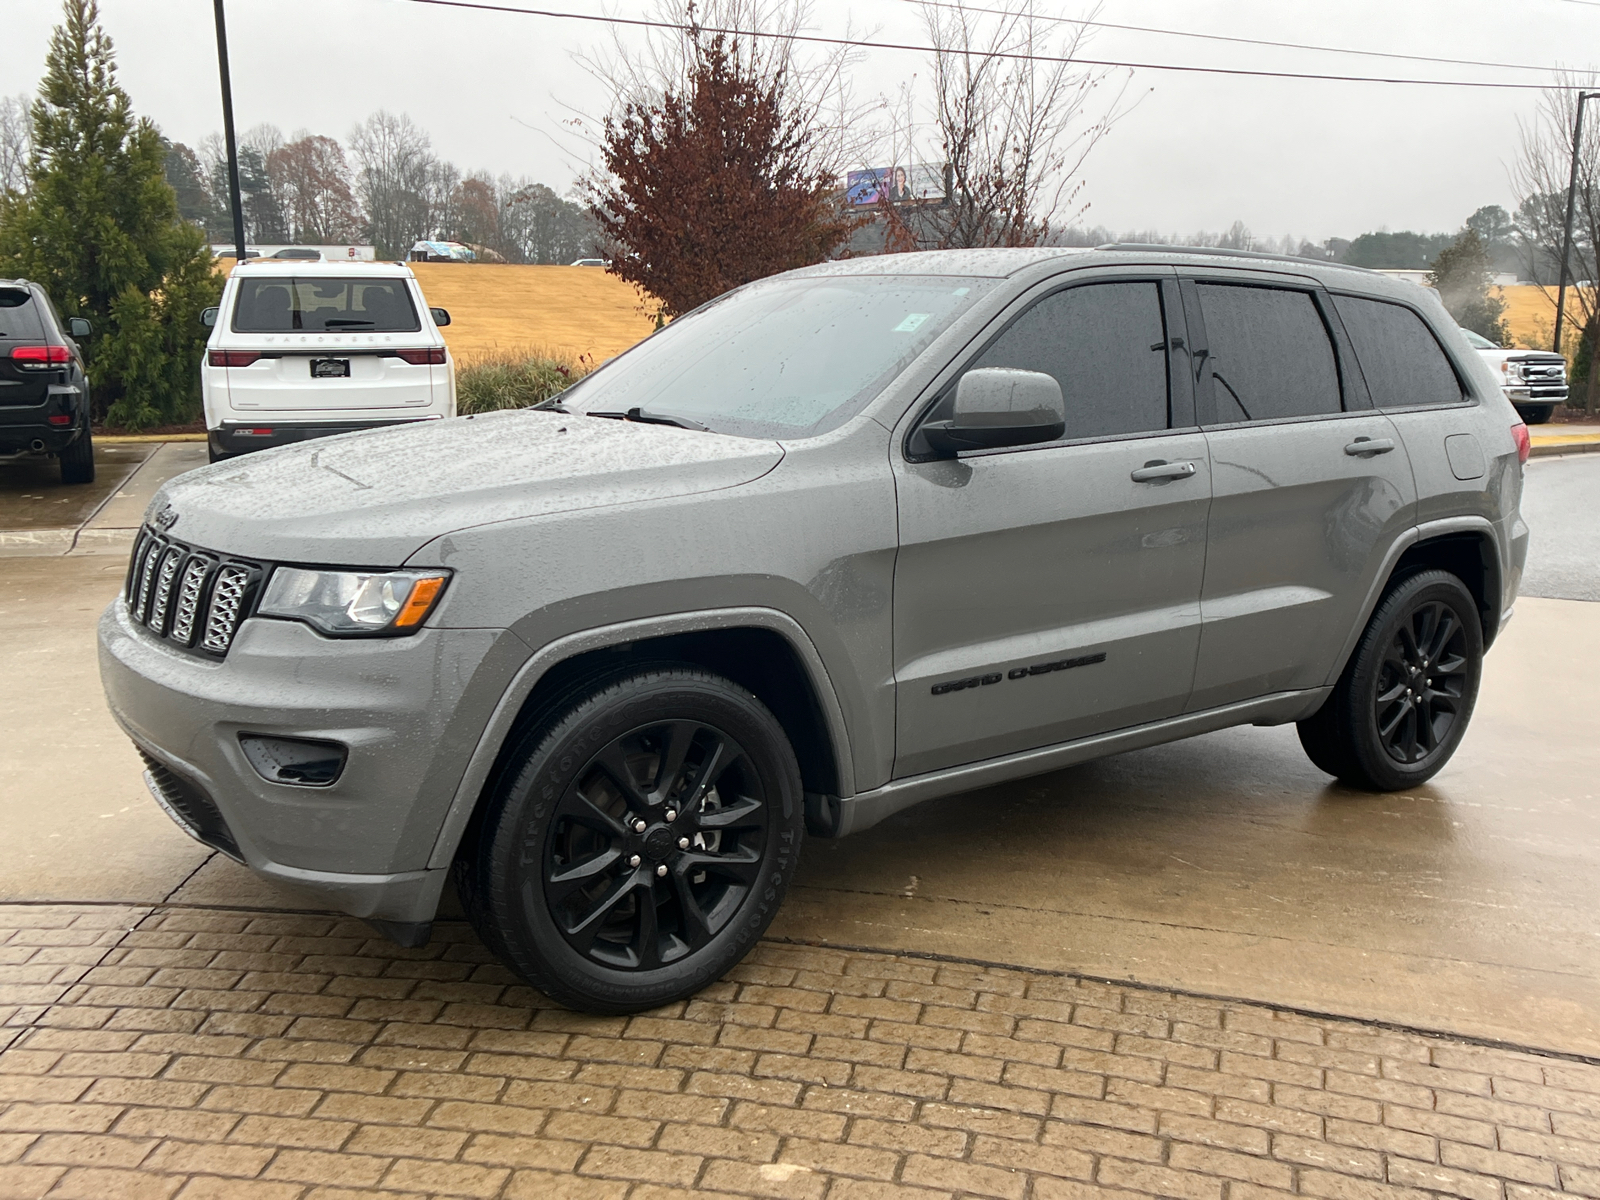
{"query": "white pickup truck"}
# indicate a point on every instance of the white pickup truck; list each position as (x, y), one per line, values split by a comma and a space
(1535, 380)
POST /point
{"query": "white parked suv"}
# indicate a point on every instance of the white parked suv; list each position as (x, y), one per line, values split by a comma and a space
(1535, 381)
(305, 349)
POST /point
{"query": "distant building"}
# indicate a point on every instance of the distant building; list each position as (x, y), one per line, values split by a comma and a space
(432, 251)
(1420, 278)
(304, 251)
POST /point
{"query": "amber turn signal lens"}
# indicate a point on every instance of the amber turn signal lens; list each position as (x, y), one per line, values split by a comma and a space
(423, 593)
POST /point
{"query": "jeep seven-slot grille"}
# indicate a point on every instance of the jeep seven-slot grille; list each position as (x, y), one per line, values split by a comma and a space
(192, 598)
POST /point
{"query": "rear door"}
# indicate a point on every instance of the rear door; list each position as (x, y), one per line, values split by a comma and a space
(328, 343)
(1411, 379)
(1051, 592)
(1310, 486)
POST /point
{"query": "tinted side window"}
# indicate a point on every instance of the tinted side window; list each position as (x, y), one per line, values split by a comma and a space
(19, 314)
(1105, 343)
(1399, 356)
(1270, 356)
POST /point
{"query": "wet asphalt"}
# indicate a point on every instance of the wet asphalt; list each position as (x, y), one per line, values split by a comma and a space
(1225, 865)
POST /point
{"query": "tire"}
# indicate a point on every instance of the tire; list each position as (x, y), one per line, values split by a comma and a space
(1536, 414)
(599, 915)
(77, 460)
(1372, 733)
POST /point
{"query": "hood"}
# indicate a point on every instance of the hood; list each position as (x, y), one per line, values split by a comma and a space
(373, 498)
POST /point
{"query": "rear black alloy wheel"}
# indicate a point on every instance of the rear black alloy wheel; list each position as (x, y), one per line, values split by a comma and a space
(1422, 680)
(77, 460)
(1402, 705)
(639, 842)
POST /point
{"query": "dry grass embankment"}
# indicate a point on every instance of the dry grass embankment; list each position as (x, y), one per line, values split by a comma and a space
(509, 312)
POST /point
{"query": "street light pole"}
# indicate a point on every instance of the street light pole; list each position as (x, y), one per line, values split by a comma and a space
(1566, 228)
(233, 146)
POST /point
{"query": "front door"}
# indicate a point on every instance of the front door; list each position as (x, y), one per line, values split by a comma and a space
(1309, 488)
(1052, 592)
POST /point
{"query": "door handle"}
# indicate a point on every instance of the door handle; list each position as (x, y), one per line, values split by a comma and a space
(1157, 472)
(1366, 445)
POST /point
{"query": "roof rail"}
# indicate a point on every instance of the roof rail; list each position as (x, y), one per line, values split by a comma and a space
(1222, 251)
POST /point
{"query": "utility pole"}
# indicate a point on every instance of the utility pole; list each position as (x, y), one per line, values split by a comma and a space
(233, 146)
(1566, 229)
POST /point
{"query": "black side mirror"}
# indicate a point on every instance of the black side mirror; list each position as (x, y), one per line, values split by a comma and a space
(441, 316)
(78, 327)
(997, 407)
(208, 317)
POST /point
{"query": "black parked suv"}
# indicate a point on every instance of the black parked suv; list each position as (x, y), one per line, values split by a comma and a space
(44, 393)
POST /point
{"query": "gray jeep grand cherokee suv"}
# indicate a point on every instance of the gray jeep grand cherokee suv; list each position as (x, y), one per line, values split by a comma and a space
(841, 541)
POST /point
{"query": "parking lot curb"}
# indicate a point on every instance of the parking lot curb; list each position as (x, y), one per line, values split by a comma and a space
(1585, 444)
(117, 439)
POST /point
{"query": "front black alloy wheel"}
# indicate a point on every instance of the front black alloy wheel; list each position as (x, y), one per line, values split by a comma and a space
(1402, 705)
(638, 842)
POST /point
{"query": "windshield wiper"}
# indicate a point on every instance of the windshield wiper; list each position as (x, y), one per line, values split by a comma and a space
(342, 323)
(550, 405)
(644, 418)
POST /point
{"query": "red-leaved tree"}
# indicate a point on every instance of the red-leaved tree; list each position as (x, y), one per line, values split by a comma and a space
(718, 179)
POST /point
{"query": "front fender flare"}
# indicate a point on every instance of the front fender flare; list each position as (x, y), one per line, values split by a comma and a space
(500, 723)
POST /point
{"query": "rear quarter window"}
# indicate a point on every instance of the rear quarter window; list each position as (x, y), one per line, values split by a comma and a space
(19, 315)
(291, 304)
(1401, 360)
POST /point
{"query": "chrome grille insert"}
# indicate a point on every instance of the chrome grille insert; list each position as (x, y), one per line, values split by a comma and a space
(191, 598)
(227, 598)
(188, 606)
(147, 571)
(165, 574)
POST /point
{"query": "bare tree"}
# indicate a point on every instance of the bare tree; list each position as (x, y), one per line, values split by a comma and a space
(16, 141)
(395, 177)
(1014, 123)
(538, 226)
(1541, 174)
(311, 180)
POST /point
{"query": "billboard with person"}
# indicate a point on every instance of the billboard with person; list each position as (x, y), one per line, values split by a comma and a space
(915, 183)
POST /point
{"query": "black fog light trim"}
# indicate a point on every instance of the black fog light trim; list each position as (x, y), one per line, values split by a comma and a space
(300, 762)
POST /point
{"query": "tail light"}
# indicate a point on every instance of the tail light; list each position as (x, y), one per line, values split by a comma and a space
(40, 356)
(422, 358)
(60, 419)
(1524, 442)
(232, 358)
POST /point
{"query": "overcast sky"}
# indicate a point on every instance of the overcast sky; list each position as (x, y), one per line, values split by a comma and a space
(1314, 159)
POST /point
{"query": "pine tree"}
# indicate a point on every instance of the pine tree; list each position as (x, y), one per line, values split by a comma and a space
(99, 228)
(1462, 274)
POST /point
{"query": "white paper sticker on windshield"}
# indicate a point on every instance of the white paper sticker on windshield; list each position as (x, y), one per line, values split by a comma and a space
(910, 324)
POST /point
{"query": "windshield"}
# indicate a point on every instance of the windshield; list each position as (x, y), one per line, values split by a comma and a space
(280, 304)
(1478, 342)
(781, 358)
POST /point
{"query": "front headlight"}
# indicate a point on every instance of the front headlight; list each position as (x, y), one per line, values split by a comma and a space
(353, 602)
(1512, 371)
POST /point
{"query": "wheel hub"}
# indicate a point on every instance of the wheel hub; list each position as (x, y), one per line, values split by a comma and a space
(658, 844)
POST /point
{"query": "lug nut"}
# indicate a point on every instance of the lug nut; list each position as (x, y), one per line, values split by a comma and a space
(672, 814)
(634, 861)
(638, 826)
(683, 843)
(662, 869)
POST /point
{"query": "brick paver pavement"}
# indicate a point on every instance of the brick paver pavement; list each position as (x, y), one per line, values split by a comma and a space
(203, 1053)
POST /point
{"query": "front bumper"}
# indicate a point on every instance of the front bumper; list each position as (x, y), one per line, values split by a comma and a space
(410, 710)
(241, 437)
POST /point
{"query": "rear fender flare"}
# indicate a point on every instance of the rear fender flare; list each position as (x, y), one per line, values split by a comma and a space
(1416, 536)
